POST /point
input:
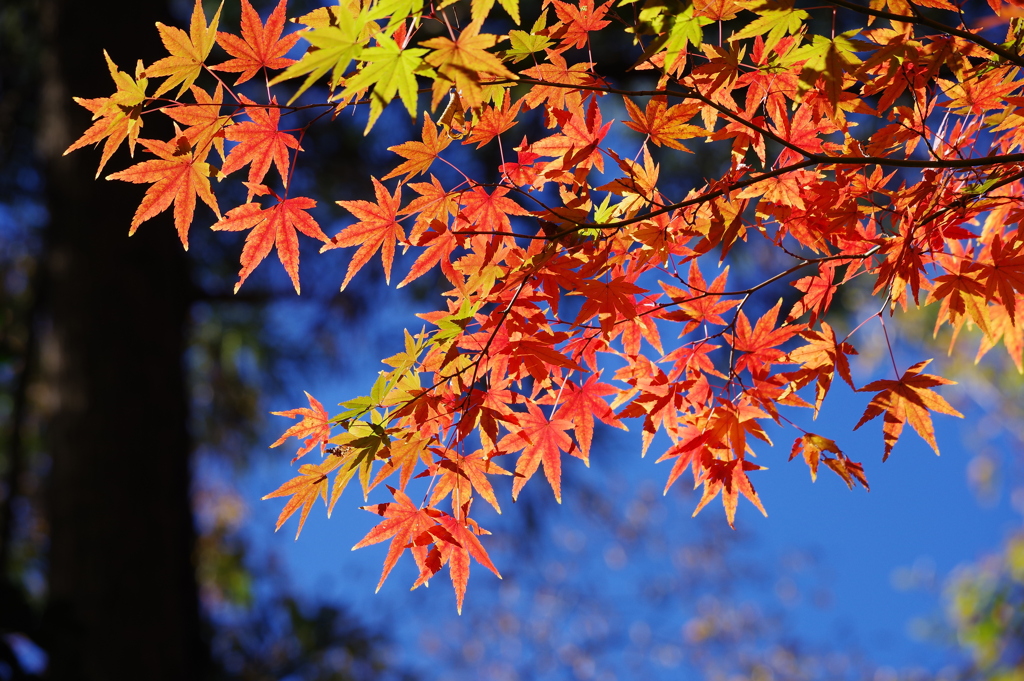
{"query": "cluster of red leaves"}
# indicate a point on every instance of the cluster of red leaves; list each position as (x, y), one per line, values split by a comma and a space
(553, 273)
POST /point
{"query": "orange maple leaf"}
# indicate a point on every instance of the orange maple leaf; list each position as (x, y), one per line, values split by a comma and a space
(541, 441)
(729, 478)
(908, 399)
(205, 123)
(419, 155)
(117, 117)
(303, 490)
(820, 359)
(377, 229)
(579, 19)
(492, 121)
(454, 548)
(272, 227)
(260, 143)
(489, 212)
(462, 62)
(813, 446)
(406, 525)
(663, 124)
(580, 404)
(315, 426)
(178, 177)
(260, 47)
(188, 51)
(460, 475)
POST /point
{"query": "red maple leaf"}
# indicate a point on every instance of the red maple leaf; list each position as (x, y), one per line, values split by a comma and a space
(260, 47)
(580, 404)
(259, 143)
(729, 478)
(315, 426)
(580, 19)
(541, 441)
(377, 229)
(178, 177)
(406, 525)
(759, 345)
(272, 227)
(454, 548)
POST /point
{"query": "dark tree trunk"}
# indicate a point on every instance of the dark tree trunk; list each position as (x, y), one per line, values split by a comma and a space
(122, 592)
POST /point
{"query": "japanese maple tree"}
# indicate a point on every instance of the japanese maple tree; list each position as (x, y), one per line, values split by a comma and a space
(581, 283)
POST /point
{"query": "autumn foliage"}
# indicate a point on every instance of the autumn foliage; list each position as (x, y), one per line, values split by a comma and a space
(875, 146)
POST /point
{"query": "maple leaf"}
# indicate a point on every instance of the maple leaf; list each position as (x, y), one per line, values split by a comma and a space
(908, 399)
(117, 117)
(775, 19)
(849, 471)
(440, 243)
(730, 479)
(259, 143)
(489, 212)
(404, 524)
(663, 124)
(492, 121)
(205, 124)
(260, 47)
(820, 359)
(701, 305)
(303, 490)
(454, 547)
(556, 70)
(580, 19)
(687, 452)
(404, 456)
(818, 290)
(390, 69)
(178, 176)
(188, 51)
(377, 229)
(272, 227)
(334, 43)
(580, 404)
(462, 474)
(419, 155)
(462, 63)
(611, 301)
(813, 446)
(315, 427)
(541, 441)
(758, 345)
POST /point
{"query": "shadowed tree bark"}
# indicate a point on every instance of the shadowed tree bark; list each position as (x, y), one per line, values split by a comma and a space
(122, 591)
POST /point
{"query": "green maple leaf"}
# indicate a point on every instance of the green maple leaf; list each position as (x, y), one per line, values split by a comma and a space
(332, 48)
(777, 22)
(390, 70)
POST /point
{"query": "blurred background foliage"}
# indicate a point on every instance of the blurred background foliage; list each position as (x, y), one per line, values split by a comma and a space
(698, 599)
